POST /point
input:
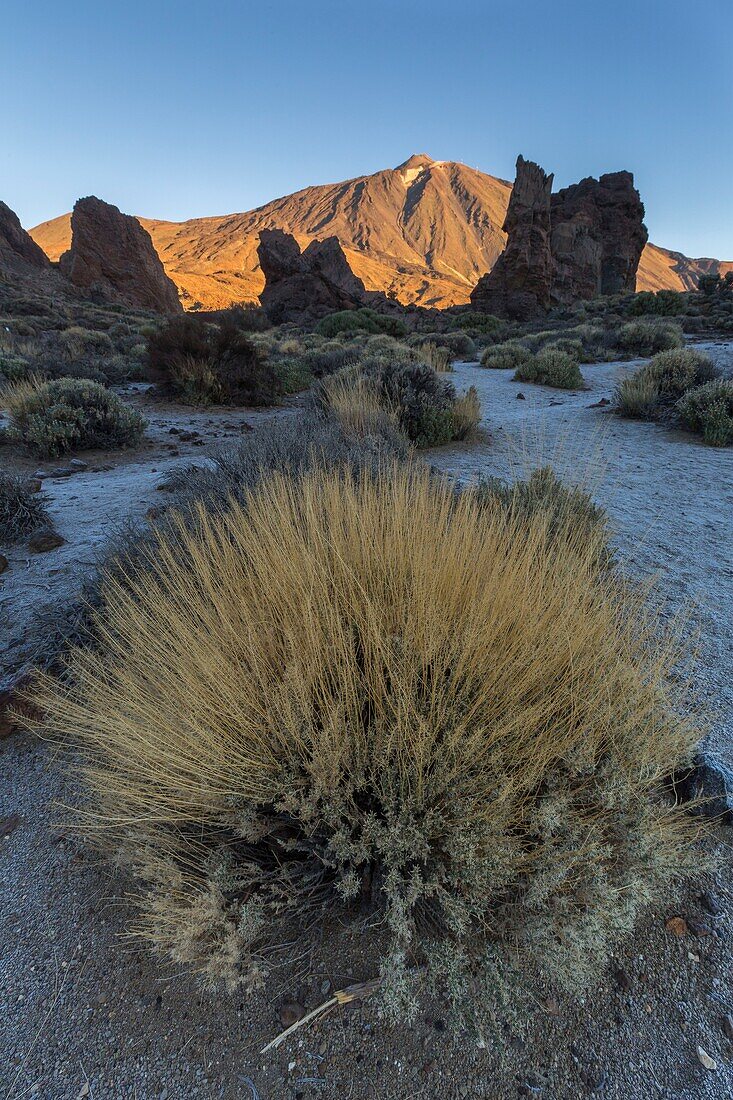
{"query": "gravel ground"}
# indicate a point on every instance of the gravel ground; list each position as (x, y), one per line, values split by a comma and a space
(85, 1010)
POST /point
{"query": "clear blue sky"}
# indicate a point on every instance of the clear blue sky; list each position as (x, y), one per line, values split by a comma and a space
(179, 109)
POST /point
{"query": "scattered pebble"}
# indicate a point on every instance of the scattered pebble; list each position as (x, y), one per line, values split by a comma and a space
(4, 563)
(44, 541)
(705, 1059)
(677, 926)
(290, 1013)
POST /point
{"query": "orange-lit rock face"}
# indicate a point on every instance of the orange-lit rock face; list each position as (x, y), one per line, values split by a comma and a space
(425, 231)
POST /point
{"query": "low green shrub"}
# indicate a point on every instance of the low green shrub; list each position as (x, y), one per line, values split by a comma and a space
(663, 303)
(655, 387)
(360, 320)
(708, 409)
(641, 339)
(68, 414)
(551, 367)
(508, 356)
(563, 506)
(680, 370)
(21, 511)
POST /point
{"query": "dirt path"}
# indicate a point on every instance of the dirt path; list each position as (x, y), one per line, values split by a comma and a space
(86, 1012)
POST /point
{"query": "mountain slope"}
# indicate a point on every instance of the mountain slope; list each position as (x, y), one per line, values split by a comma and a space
(424, 231)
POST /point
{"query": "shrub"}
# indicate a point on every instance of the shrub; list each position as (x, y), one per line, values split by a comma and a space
(358, 403)
(637, 396)
(679, 370)
(459, 344)
(360, 320)
(325, 360)
(466, 414)
(644, 338)
(69, 414)
(507, 356)
(477, 322)
(444, 719)
(551, 367)
(204, 364)
(439, 358)
(655, 387)
(663, 303)
(77, 342)
(558, 505)
(21, 511)
(425, 406)
(708, 409)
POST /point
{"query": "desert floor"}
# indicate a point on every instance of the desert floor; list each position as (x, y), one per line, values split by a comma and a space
(87, 1012)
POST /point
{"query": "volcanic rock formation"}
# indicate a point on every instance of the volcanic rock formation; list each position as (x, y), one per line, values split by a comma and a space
(303, 286)
(19, 253)
(583, 241)
(112, 253)
(520, 281)
(598, 236)
(424, 232)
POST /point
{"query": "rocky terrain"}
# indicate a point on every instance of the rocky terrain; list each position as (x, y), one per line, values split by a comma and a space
(581, 242)
(425, 231)
(89, 1013)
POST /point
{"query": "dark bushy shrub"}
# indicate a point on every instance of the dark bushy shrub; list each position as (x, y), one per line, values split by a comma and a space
(360, 320)
(21, 511)
(663, 303)
(423, 401)
(204, 364)
(709, 411)
(70, 414)
(551, 367)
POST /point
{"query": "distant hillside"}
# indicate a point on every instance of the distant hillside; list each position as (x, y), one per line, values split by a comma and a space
(424, 231)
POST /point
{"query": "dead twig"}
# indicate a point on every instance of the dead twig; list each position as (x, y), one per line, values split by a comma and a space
(357, 992)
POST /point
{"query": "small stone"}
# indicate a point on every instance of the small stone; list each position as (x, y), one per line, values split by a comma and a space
(698, 927)
(4, 563)
(728, 1026)
(599, 404)
(290, 1013)
(325, 987)
(40, 475)
(693, 957)
(677, 926)
(552, 1008)
(521, 397)
(83, 1091)
(79, 464)
(44, 541)
(705, 1059)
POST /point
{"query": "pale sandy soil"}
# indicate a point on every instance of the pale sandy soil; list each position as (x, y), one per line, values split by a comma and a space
(85, 1011)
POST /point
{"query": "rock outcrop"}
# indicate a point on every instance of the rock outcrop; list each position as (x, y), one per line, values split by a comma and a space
(112, 254)
(598, 236)
(19, 253)
(304, 286)
(518, 286)
(583, 241)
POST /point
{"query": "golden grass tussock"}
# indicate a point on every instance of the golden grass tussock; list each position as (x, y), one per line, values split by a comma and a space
(439, 358)
(370, 691)
(357, 402)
